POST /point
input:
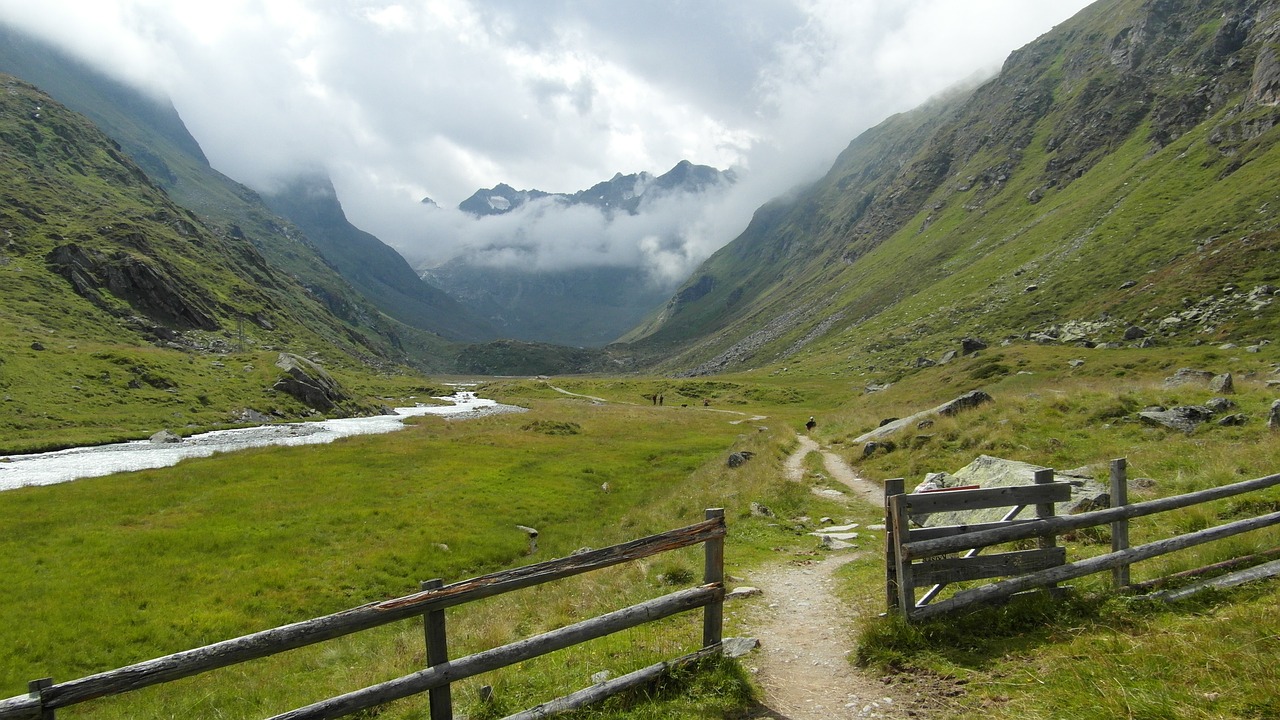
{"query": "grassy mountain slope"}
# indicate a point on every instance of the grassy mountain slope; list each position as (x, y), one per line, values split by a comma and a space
(122, 311)
(151, 133)
(1117, 172)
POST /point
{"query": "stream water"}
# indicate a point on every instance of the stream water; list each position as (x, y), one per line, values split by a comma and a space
(93, 461)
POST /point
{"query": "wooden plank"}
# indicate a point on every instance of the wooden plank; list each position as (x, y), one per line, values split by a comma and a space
(1119, 528)
(941, 531)
(1065, 523)
(943, 571)
(893, 486)
(933, 591)
(1080, 568)
(511, 654)
(307, 632)
(1224, 566)
(600, 691)
(713, 573)
(1257, 572)
(20, 707)
(954, 500)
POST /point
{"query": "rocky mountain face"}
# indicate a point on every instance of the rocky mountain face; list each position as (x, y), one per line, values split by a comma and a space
(152, 135)
(378, 272)
(1113, 184)
(621, 193)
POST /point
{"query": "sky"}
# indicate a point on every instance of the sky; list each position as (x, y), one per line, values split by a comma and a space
(398, 100)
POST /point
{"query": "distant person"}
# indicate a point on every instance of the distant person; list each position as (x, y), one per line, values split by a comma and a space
(809, 426)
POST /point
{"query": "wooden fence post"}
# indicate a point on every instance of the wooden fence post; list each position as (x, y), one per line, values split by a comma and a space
(713, 572)
(893, 486)
(1120, 528)
(441, 698)
(1045, 510)
(899, 514)
(33, 689)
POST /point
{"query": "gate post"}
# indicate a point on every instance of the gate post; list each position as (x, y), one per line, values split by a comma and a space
(1120, 528)
(893, 486)
(441, 698)
(34, 689)
(713, 572)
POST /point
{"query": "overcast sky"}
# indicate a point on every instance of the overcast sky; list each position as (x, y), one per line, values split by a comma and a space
(401, 100)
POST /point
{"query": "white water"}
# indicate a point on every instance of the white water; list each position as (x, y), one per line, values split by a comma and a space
(93, 461)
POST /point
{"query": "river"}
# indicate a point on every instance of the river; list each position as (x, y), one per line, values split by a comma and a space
(93, 461)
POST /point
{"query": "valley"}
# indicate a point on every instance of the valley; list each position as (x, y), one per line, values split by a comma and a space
(1089, 238)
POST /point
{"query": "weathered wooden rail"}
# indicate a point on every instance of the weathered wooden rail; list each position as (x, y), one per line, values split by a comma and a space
(45, 696)
(919, 557)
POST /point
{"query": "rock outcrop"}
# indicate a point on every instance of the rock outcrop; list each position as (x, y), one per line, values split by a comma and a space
(988, 472)
(309, 383)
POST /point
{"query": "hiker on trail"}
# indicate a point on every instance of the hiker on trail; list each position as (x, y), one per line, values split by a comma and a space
(809, 426)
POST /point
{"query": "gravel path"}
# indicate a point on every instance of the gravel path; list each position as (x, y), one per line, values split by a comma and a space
(805, 631)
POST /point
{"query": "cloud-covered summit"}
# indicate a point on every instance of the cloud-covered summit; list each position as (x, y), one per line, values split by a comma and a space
(401, 99)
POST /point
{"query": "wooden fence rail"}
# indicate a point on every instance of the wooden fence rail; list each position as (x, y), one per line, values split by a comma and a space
(914, 556)
(45, 697)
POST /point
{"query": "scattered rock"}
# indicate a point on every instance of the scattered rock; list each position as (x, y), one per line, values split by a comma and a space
(1233, 420)
(831, 543)
(744, 591)
(165, 437)
(740, 458)
(968, 401)
(969, 346)
(947, 357)
(249, 415)
(1189, 376)
(886, 421)
(1222, 384)
(1184, 417)
(1127, 284)
(602, 676)
(926, 423)
(1220, 405)
(964, 402)
(758, 510)
(1133, 332)
(738, 647)
(924, 362)
(875, 388)
(1273, 416)
(1075, 363)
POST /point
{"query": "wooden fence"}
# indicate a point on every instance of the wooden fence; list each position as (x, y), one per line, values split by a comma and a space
(918, 557)
(45, 696)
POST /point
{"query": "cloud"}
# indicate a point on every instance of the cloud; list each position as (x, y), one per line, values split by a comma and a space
(400, 99)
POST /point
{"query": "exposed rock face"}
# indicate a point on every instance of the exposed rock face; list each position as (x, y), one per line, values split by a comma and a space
(988, 472)
(309, 383)
(145, 287)
(1265, 88)
(1189, 376)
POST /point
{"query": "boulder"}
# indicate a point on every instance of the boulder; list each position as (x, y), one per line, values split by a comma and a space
(1273, 416)
(1186, 376)
(165, 437)
(1184, 417)
(969, 346)
(988, 472)
(965, 402)
(309, 383)
(738, 459)
(1133, 332)
(1220, 405)
(1233, 420)
(1222, 384)
(947, 357)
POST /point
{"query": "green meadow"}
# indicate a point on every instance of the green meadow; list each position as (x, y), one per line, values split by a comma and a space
(110, 571)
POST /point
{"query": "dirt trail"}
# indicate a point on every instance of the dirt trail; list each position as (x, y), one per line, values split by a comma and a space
(804, 630)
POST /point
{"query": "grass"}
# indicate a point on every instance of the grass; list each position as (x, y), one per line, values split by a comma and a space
(142, 564)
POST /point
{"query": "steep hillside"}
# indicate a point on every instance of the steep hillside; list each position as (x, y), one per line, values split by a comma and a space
(370, 265)
(1115, 183)
(151, 133)
(120, 309)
